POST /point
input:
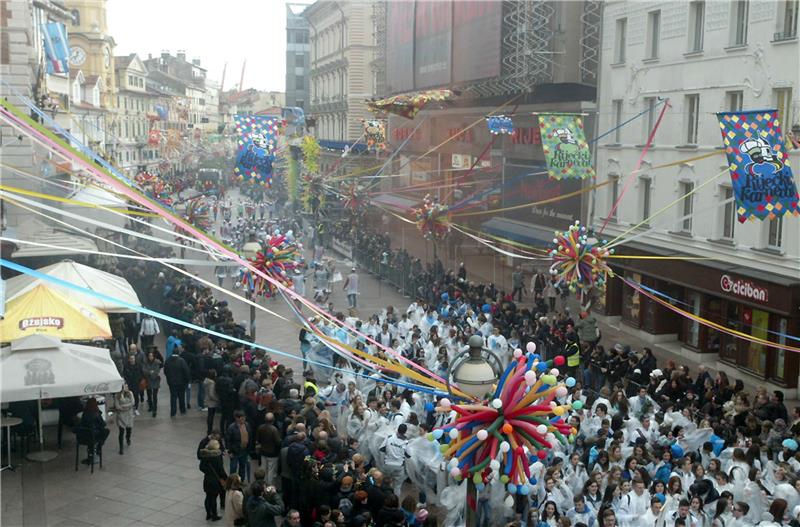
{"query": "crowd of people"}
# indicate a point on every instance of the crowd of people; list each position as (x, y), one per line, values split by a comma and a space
(339, 445)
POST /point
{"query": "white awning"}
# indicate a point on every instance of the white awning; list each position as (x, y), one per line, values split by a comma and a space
(40, 233)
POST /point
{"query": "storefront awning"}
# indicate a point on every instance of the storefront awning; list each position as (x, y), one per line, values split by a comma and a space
(518, 231)
(395, 202)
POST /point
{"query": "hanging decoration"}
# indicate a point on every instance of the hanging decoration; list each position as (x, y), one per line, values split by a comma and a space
(313, 193)
(579, 259)
(762, 180)
(256, 148)
(154, 187)
(408, 105)
(355, 200)
(56, 47)
(154, 137)
(375, 134)
(433, 219)
(197, 213)
(500, 124)
(161, 111)
(505, 438)
(565, 148)
(279, 257)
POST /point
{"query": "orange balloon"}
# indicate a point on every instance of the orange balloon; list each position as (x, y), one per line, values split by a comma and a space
(507, 428)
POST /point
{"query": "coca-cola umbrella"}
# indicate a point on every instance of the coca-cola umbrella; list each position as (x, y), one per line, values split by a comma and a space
(42, 367)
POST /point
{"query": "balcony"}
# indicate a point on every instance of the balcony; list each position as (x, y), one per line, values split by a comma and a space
(784, 35)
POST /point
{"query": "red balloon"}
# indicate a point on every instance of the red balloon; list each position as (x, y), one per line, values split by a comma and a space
(559, 360)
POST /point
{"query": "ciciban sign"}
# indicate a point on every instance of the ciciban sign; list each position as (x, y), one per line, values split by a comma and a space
(743, 288)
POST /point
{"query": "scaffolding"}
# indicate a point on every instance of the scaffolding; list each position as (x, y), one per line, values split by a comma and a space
(591, 18)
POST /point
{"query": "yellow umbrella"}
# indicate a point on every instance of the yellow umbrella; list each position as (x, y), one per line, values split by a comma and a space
(44, 310)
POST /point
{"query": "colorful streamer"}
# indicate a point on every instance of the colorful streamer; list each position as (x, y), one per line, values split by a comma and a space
(579, 259)
(500, 438)
(762, 179)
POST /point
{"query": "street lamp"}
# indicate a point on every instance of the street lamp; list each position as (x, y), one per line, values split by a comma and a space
(475, 371)
(250, 251)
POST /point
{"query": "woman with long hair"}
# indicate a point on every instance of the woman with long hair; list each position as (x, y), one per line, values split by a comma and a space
(722, 513)
(696, 510)
(93, 429)
(124, 403)
(234, 501)
(592, 495)
(550, 515)
(151, 369)
(675, 487)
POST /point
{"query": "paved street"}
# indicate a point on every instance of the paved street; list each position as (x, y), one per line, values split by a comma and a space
(156, 481)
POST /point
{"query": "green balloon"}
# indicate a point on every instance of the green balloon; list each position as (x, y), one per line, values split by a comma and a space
(577, 405)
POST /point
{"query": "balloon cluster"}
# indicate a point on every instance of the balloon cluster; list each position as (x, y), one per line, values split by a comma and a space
(579, 260)
(197, 213)
(154, 187)
(433, 219)
(280, 255)
(502, 438)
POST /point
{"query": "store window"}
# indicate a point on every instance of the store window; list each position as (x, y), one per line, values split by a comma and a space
(780, 354)
(632, 302)
(759, 323)
(692, 326)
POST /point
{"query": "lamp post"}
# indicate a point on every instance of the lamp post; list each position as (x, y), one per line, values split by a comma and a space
(475, 371)
(250, 251)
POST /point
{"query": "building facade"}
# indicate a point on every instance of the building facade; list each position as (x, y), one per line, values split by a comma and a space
(703, 58)
(92, 47)
(297, 56)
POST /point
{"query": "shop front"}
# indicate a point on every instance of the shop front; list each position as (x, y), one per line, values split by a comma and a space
(745, 300)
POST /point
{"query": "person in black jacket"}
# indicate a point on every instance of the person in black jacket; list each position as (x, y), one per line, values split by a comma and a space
(132, 373)
(193, 362)
(228, 398)
(214, 477)
(390, 514)
(178, 377)
(93, 430)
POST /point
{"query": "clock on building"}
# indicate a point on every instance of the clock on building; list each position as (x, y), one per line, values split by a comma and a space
(77, 56)
(106, 58)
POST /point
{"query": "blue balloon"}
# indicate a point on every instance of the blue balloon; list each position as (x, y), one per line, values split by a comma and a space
(486, 308)
(570, 382)
(429, 406)
(542, 366)
(512, 488)
(445, 296)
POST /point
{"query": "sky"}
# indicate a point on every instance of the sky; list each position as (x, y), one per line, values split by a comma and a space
(215, 31)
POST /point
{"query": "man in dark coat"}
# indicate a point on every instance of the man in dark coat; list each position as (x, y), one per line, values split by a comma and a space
(178, 378)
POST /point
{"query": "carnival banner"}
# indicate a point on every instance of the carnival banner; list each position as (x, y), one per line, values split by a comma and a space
(375, 133)
(762, 180)
(565, 148)
(256, 148)
(56, 47)
(500, 124)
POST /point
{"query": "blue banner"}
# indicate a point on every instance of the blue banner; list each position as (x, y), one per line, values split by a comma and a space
(56, 47)
(256, 148)
(500, 124)
(762, 180)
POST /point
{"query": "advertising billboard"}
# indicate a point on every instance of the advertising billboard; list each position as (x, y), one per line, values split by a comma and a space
(432, 40)
(528, 182)
(476, 33)
(400, 46)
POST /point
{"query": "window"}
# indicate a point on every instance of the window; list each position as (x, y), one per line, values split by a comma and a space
(654, 33)
(688, 204)
(697, 20)
(126, 131)
(620, 43)
(728, 213)
(733, 101)
(617, 109)
(692, 118)
(201, 102)
(787, 20)
(783, 102)
(650, 118)
(299, 82)
(76, 17)
(130, 80)
(614, 184)
(645, 184)
(299, 60)
(739, 16)
(775, 233)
